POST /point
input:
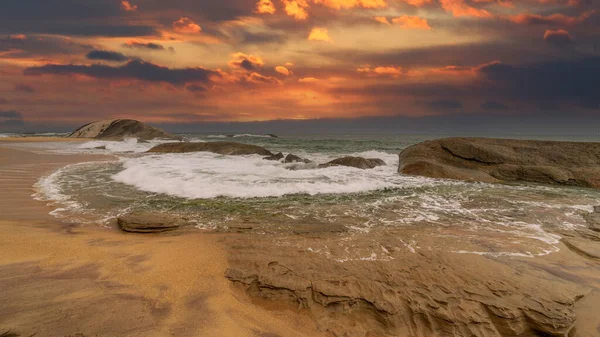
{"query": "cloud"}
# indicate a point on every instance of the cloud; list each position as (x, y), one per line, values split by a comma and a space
(185, 25)
(246, 62)
(411, 22)
(296, 8)
(492, 105)
(385, 71)
(146, 45)
(26, 88)
(3, 100)
(319, 34)
(417, 3)
(381, 19)
(554, 19)
(345, 4)
(265, 7)
(283, 70)
(445, 104)
(134, 70)
(11, 114)
(128, 7)
(558, 38)
(106, 55)
(459, 8)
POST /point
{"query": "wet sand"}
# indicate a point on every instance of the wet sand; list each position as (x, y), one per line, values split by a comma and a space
(63, 279)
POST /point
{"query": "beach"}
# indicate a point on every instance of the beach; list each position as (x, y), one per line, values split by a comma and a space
(63, 277)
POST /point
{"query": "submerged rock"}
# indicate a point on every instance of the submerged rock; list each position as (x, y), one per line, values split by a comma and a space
(119, 129)
(357, 162)
(148, 223)
(494, 160)
(277, 157)
(225, 148)
(292, 158)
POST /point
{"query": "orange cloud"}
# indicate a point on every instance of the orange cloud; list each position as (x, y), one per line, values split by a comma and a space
(296, 8)
(18, 37)
(185, 25)
(128, 7)
(459, 8)
(246, 62)
(411, 22)
(265, 7)
(283, 70)
(556, 19)
(339, 4)
(381, 19)
(384, 71)
(417, 3)
(319, 34)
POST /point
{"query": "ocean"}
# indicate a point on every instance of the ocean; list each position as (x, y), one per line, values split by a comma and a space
(216, 193)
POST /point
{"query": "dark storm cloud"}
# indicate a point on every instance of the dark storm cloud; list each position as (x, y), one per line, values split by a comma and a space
(106, 55)
(42, 45)
(492, 105)
(11, 114)
(135, 69)
(143, 45)
(26, 88)
(558, 38)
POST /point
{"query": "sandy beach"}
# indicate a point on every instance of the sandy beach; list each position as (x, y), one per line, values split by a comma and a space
(64, 279)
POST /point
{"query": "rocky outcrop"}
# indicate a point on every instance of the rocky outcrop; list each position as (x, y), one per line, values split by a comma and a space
(357, 162)
(275, 157)
(427, 294)
(119, 129)
(149, 223)
(292, 158)
(494, 160)
(225, 148)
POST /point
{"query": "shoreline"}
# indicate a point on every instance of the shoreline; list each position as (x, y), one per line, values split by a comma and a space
(64, 279)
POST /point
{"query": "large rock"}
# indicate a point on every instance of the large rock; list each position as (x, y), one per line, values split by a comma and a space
(357, 162)
(226, 148)
(148, 223)
(494, 160)
(118, 129)
(292, 158)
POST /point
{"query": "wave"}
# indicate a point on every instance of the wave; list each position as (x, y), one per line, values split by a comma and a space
(131, 145)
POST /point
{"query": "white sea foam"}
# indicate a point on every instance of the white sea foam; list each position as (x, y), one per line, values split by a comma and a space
(208, 175)
(127, 145)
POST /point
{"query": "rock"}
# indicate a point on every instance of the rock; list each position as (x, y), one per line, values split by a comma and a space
(148, 223)
(291, 158)
(593, 219)
(225, 148)
(272, 135)
(118, 129)
(103, 147)
(587, 248)
(356, 162)
(277, 157)
(495, 160)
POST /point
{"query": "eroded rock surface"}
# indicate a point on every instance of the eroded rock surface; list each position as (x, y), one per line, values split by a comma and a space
(423, 294)
(149, 223)
(357, 162)
(119, 129)
(225, 148)
(493, 160)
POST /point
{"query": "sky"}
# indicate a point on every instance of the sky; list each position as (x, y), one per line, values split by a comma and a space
(191, 62)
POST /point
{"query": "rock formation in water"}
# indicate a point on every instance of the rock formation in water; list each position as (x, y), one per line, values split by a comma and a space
(118, 129)
(356, 162)
(275, 157)
(494, 160)
(148, 223)
(225, 148)
(593, 219)
(292, 158)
